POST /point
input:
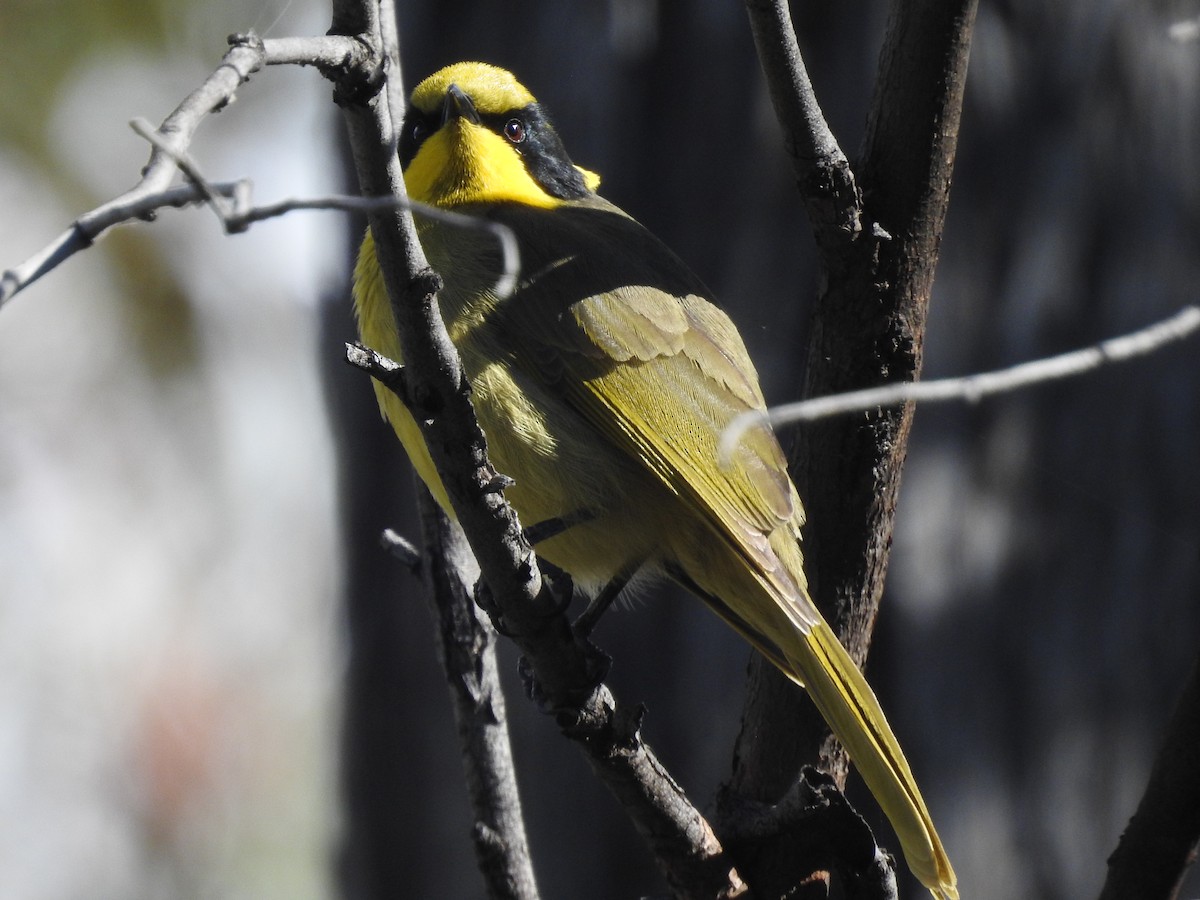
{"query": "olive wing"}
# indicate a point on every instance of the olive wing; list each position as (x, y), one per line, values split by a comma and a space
(617, 325)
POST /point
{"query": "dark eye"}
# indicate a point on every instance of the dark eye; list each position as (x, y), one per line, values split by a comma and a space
(417, 132)
(514, 130)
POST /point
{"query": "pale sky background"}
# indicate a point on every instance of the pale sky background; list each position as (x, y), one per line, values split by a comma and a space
(168, 570)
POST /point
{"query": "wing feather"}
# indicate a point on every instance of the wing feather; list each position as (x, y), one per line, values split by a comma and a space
(652, 365)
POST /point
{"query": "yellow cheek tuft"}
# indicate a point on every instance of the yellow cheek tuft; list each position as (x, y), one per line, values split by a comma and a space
(591, 180)
(464, 163)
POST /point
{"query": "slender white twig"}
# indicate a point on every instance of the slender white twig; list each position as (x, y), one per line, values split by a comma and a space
(970, 388)
(231, 201)
(129, 207)
(184, 162)
(240, 214)
(401, 548)
(330, 51)
(244, 58)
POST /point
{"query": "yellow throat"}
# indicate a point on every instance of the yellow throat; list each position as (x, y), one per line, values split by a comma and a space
(464, 161)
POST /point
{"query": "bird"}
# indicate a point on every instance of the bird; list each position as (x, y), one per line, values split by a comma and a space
(602, 383)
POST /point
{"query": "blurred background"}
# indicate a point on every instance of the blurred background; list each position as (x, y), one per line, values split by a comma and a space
(212, 682)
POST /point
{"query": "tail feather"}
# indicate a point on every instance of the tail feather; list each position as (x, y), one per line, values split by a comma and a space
(790, 632)
(848, 704)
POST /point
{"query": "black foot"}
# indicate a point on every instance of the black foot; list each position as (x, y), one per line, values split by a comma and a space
(590, 617)
(543, 531)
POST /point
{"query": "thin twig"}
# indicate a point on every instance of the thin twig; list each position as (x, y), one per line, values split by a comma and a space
(466, 644)
(565, 671)
(241, 214)
(1161, 841)
(402, 549)
(153, 190)
(184, 162)
(822, 171)
(972, 388)
(232, 204)
(239, 63)
(133, 206)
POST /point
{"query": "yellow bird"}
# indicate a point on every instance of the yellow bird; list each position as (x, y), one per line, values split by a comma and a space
(603, 383)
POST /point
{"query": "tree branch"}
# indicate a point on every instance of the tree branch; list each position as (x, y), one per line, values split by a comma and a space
(816, 829)
(869, 326)
(153, 190)
(823, 173)
(877, 261)
(438, 388)
(1161, 841)
(467, 650)
(684, 844)
(972, 388)
(232, 202)
(565, 670)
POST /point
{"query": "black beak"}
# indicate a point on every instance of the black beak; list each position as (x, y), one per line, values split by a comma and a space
(458, 105)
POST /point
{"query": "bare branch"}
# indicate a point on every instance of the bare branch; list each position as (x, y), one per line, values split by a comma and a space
(868, 326)
(230, 201)
(402, 549)
(329, 53)
(822, 172)
(242, 60)
(185, 164)
(153, 191)
(129, 207)
(683, 842)
(565, 671)
(466, 645)
(973, 388)
(1161, 841)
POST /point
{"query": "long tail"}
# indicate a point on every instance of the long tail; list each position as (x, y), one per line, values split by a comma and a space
(849, 706)
(790, 632)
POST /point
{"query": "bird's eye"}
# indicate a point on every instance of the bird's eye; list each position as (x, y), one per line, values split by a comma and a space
(514, 130)
(417, 132)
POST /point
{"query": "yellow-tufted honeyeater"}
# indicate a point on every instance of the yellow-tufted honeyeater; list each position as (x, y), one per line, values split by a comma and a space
(603, 383)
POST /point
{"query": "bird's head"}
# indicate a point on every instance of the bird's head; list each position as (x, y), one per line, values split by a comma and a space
(473, 134)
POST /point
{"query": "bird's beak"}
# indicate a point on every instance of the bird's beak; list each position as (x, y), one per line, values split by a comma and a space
(458, 105)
